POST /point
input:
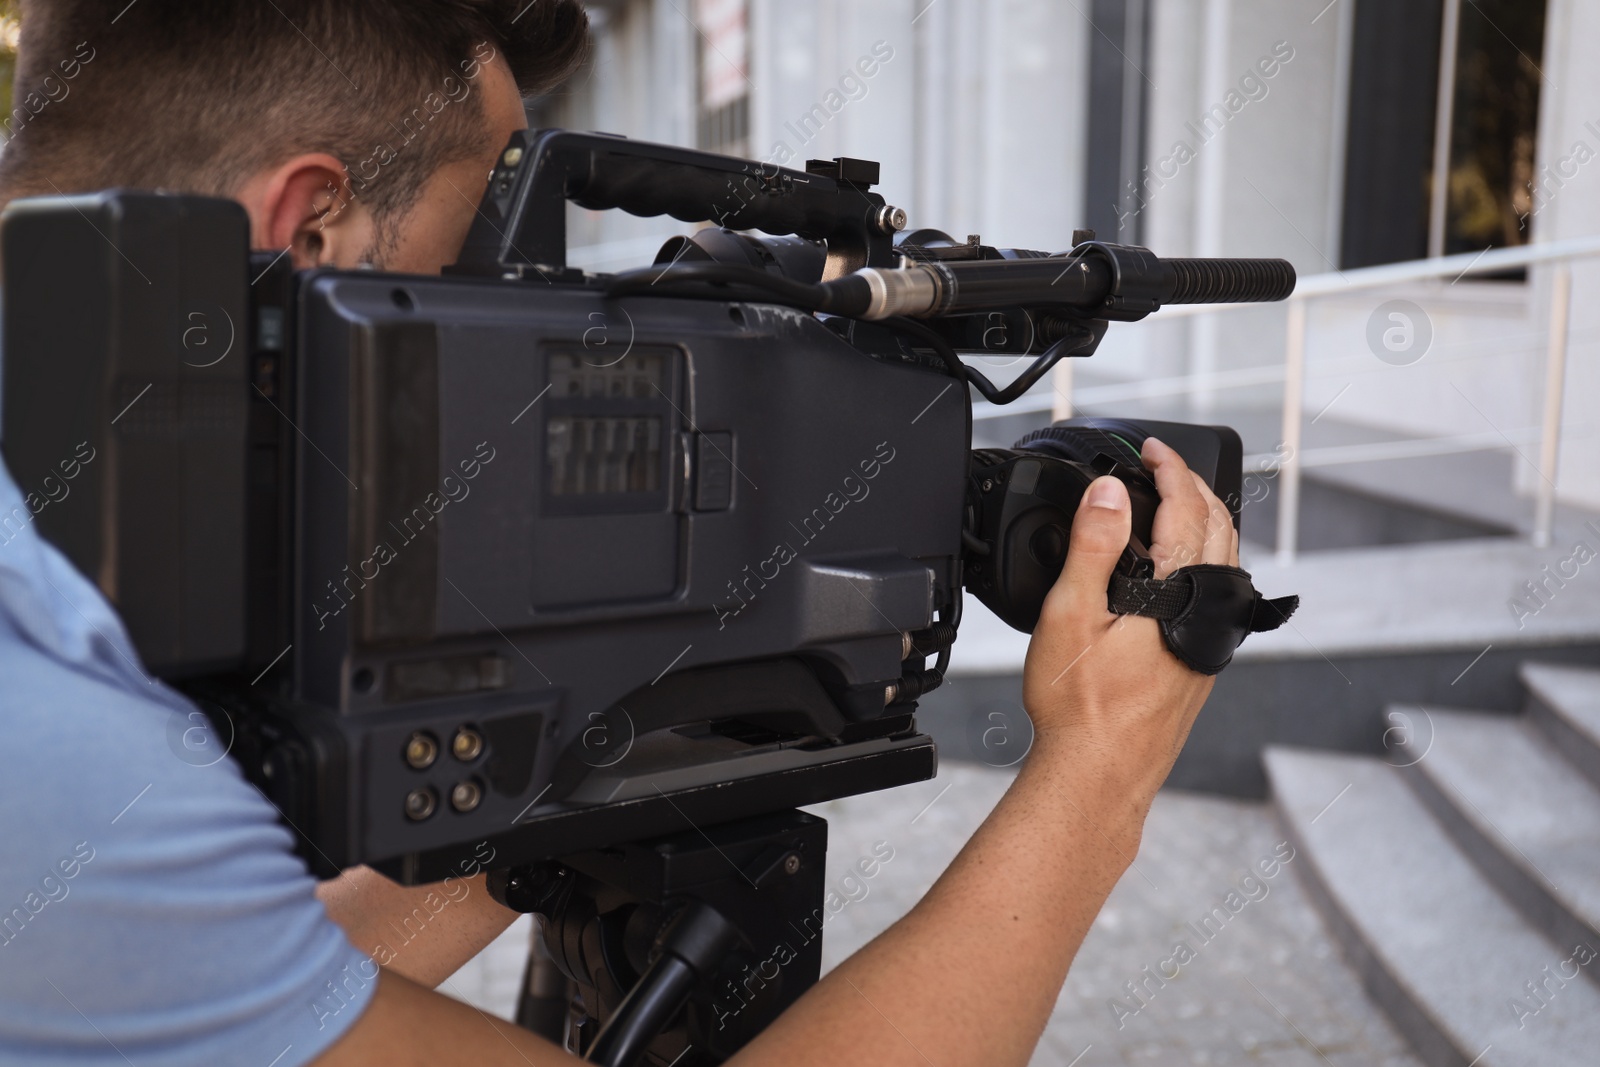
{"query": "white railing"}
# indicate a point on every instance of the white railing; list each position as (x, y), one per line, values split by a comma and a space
(1291, 459)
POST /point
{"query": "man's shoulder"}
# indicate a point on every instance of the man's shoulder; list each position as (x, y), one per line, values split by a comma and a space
(89, 732)
(139, 786)
(135, 848)
(86, 750)
(146, 885)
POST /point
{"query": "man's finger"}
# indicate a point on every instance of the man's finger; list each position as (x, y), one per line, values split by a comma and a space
(1219, 526)
(1100, 532)
(1178, 538)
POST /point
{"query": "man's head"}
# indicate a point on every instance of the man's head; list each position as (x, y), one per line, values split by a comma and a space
(352, 130)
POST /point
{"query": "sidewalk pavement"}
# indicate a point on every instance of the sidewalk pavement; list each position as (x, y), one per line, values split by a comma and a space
(1261, 981)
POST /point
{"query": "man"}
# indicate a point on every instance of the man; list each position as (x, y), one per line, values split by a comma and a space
(151, 911)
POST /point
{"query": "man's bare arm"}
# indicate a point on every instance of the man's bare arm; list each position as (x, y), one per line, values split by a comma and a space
(971, 974)
(425, 933)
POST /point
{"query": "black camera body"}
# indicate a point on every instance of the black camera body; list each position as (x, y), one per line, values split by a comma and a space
(530, 556)
(493, 526)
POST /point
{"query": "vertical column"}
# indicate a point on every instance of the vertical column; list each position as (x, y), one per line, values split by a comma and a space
(1555, 377)
(1210, 199)
(1061, 382)
(1294, 391)
(1444, 119)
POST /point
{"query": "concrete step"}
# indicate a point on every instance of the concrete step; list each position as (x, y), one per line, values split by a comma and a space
(1518, 810)
(1437, 947)
(1565, 703)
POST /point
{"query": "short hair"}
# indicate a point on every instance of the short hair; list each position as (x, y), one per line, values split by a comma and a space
(198, 95)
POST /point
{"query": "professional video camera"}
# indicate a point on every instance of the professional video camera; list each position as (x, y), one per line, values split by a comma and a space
(587, 580)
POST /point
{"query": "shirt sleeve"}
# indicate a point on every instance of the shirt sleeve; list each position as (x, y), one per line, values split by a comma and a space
(151, 908)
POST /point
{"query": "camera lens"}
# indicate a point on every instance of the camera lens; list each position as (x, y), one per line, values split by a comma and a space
(421, 803)
(466, 795)
(467, 745)
(421, 750)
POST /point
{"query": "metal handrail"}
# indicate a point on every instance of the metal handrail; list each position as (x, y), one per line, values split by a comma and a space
(1559, 253)
(1379, 451)
(1292, 370)
(1265, 374)
(1415, 270)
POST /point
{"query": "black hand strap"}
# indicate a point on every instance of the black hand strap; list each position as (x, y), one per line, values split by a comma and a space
(1206, 611)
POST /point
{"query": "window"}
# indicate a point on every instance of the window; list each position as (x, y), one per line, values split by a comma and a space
(1490, 53)
(1491, 193)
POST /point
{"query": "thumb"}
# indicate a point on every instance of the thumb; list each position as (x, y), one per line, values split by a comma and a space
(1100, 532)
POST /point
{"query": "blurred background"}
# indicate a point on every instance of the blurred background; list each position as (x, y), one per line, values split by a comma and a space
(1423, 741)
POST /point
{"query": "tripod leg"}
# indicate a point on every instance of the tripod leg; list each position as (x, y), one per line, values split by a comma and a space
(543, 1004)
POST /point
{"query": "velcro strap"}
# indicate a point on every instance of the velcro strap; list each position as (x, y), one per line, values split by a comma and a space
(1154, 598)
(1205, 611)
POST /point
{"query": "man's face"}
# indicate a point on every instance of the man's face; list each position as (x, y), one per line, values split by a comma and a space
(431, 234)
(299, 206)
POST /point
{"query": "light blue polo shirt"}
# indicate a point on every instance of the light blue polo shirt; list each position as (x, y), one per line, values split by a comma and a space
(151, 911)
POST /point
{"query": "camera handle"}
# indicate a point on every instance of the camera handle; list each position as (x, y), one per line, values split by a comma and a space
(521, 223)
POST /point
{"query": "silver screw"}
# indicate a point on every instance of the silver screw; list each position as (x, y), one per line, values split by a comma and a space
(891, 220)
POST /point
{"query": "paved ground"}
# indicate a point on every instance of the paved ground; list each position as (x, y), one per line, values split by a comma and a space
(1265, 986)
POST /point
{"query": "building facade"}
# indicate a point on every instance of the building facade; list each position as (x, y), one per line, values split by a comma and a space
(1305, 129)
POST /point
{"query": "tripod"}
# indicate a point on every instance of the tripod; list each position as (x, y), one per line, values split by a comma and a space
(676, 950)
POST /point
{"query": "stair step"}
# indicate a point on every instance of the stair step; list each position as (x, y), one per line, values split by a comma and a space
(1437, 947)
(1519, 810)
(1565, 703)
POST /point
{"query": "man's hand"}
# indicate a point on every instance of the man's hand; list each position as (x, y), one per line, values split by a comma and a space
(1105, 684)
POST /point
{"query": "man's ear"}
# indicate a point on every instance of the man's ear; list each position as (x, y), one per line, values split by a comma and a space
(307, 206)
